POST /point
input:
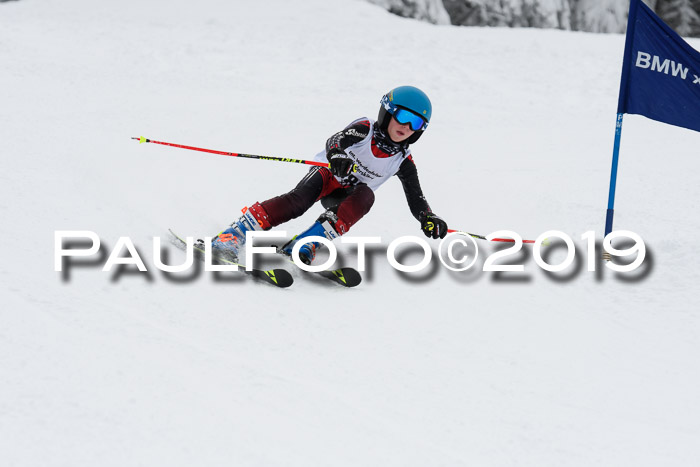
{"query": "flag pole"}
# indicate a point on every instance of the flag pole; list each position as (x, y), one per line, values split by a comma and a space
(621, 109)
(613, 175)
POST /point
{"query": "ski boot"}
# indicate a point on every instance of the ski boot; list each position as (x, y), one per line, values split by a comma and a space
(326, 226)
(230, 240)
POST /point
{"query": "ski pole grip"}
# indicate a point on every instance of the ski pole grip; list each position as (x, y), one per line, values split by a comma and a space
(354, 167)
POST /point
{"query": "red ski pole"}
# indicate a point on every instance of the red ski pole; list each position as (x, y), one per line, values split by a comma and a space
(143, 139)
(481, 237)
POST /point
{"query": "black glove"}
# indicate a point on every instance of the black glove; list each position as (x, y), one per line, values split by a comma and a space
(432, 225)
(341, 163)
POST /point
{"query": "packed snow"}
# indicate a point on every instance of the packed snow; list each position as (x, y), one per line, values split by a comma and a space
(122, 368)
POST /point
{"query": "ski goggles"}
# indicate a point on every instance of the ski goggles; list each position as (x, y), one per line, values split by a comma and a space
(406, 117)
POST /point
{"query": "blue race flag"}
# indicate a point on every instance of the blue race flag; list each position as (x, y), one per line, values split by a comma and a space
(660, 80)
(660, 72)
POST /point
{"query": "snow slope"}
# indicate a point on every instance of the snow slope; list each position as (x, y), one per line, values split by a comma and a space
(434, 368)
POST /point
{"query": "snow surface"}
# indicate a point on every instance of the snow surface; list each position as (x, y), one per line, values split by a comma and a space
(434, 368)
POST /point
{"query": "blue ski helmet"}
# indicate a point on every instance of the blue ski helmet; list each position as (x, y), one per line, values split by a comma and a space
(409, 98)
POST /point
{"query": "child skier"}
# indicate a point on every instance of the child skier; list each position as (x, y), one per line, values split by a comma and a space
(362, 157)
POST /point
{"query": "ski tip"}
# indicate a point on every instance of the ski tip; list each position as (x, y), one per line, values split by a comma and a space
(283, 278)
(277, 277)
(347, 277)
(140, 139)
(355, 278)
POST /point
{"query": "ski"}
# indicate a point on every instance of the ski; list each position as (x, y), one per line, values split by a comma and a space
(278, 277)
(346, 277)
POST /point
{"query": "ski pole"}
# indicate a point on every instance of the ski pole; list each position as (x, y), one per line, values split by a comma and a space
(481, 237)
(143, 139)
